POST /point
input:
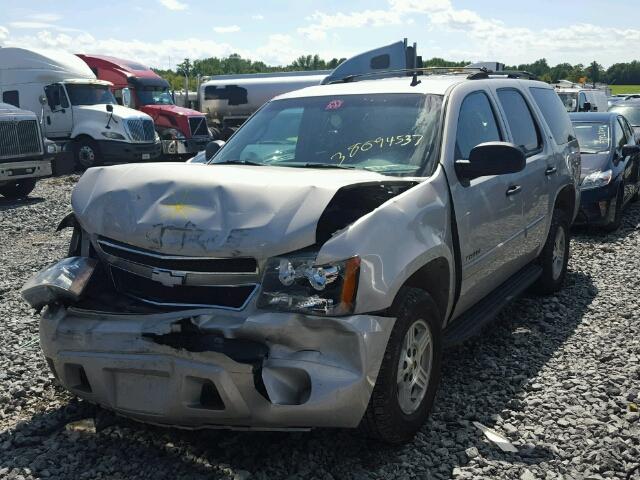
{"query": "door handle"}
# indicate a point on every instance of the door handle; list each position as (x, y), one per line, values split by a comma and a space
(550, 171)
(513, 189)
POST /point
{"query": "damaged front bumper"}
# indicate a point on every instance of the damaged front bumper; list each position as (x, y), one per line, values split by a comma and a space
(204, 368)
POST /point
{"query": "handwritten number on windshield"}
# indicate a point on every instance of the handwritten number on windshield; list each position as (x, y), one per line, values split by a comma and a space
(380, 142)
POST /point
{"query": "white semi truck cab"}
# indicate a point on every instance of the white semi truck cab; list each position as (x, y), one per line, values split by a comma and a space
(75, 106)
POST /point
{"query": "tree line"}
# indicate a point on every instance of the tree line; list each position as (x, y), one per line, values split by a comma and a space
(616, 74)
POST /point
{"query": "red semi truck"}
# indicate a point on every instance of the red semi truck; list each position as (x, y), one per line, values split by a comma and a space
(183, 131)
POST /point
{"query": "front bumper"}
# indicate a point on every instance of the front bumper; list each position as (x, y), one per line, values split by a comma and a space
(18, 170)
(597, 205)
(262, 371)
(115, 151)
(189, 146)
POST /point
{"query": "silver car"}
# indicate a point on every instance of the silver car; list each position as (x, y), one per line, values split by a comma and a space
(311, 274)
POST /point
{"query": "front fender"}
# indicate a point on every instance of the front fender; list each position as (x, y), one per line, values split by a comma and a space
(396, 240)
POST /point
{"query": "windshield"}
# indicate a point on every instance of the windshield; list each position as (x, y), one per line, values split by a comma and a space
(632, 114)
(392, 134)
(85, 94)
(593, 137)
(570, 100)
(154, 96)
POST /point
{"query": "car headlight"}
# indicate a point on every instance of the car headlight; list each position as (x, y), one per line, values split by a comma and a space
(172, 134)
(596, 179)
(66, 279)
(113, 135)
(296, 284)
(157, 137)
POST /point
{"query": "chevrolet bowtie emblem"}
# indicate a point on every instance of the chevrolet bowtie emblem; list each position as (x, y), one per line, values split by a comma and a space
(167, 277)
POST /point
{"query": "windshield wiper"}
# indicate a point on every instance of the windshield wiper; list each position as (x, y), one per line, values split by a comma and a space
(239, 162)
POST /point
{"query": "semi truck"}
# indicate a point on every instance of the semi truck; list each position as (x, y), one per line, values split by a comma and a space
(25, 155)
(74, 106)
(183, 131)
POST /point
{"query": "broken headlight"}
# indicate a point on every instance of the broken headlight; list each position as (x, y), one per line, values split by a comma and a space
(66, 279)
(297, 284)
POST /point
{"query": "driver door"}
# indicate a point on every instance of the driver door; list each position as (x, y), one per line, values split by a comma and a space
(58, 114)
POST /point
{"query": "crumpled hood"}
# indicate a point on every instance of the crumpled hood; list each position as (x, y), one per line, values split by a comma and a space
(594, 162)
(154, 110)
(209, 210)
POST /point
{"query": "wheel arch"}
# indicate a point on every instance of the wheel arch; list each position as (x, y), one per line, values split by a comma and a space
(434, 277)
(566, 201)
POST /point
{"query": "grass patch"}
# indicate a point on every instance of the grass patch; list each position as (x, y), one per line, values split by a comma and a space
(620, 89)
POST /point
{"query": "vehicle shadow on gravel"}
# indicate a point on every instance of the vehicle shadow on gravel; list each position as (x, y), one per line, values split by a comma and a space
(487, 379)
(6, 204)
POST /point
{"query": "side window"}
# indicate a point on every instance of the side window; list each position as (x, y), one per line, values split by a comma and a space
(554, 114)
(476, 124)
(11, 97)
(620, 138)
(526, 133)
(56, 97)
(627, 130)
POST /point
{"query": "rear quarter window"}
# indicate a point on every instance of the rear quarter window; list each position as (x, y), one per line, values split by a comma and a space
(554, 114)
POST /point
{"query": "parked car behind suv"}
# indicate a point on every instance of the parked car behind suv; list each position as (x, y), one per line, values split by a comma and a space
(610, 167)
(312, 273)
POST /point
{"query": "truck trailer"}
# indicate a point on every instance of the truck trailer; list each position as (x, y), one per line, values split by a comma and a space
(183, 131)
(74, 106)
(228, 100)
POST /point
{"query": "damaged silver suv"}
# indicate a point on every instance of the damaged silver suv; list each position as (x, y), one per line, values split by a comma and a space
(312, 272)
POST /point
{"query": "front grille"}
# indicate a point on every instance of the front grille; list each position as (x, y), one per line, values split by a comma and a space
(20, 139)
(174, 280)
(198, 127)
(233, 297)
(178, 263)
(141, 130)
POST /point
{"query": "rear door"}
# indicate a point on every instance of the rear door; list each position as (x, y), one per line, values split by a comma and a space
(488, 217)
(525, 131)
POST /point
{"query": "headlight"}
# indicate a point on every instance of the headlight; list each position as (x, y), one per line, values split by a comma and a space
(157, 137)
(172, 134)
(66, 279)
(296, 284)
(52, 147)
(596, 179)
(113, 135)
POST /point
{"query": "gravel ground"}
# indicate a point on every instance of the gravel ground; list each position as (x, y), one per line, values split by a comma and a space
(558, 376)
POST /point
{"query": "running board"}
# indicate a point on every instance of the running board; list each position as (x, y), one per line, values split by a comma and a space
(477, 317)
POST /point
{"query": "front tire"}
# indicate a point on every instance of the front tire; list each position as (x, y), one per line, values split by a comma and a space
(87, 153)
(617, 214)
(410, 371)
(554, 256)
(18, 189)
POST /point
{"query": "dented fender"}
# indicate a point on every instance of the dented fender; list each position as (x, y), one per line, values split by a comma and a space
(395, 240)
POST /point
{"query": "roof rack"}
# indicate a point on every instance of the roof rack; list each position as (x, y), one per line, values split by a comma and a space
(473, 73)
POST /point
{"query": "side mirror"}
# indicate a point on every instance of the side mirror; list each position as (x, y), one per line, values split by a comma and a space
(586, 107)
(109, 108)
(212, 148)
(491, 158)
(628, 150)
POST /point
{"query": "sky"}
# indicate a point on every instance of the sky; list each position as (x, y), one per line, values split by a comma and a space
(161, 33)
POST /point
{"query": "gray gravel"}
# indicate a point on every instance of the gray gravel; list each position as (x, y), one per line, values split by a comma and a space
(558, 376)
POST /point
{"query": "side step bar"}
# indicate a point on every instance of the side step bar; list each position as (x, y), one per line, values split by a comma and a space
(477, 317)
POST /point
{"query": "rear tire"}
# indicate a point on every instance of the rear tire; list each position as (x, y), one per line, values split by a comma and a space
(554, 256)
(410, 371)
(18, 189)
(87, 153)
